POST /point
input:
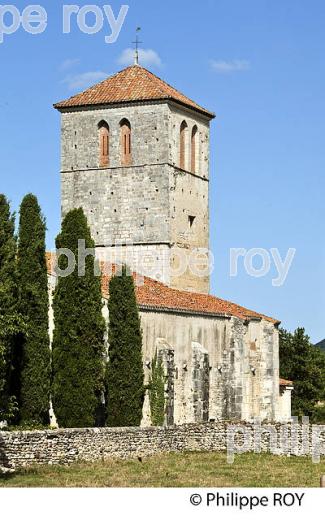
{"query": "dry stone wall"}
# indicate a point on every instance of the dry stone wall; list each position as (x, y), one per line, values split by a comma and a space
(20, 449)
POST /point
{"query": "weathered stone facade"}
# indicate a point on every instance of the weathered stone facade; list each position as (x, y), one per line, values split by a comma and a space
(21, 449)
(146, 207)
(223, 368)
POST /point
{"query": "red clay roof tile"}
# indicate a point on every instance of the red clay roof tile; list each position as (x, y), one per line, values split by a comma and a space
(152, 293)
(132, 84)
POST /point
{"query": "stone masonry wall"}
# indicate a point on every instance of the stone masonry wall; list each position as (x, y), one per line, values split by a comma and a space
(151, 206)
(20, 449)
(189, 228)
(122, 205)
(236, 374)
(80, 141)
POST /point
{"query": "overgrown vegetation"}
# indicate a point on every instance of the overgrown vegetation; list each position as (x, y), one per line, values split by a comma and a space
(304, 364)
(33, 351)
(78, 342)
(125, 388)
(157, 392)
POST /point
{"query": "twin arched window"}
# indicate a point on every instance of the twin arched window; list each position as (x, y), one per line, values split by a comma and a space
(125, 143)
(186, 155)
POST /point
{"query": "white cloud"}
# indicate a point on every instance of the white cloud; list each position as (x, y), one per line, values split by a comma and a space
(146, 57)
(226, 67)
(84, 80)
(69, 63)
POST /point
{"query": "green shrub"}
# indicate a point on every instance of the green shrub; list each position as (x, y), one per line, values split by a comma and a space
(157, 392)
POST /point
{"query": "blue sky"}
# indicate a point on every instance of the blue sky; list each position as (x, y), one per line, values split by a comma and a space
(260, 66)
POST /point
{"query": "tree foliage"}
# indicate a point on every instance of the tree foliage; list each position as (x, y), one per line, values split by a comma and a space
(34, 348)
(78, 341)
(10, 320)
(304, 364)
(157, 392)
(125, 388)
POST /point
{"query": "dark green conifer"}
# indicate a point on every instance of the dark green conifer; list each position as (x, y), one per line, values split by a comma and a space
(78, 342)
(125, 388)
(35, 361)
(10, 320)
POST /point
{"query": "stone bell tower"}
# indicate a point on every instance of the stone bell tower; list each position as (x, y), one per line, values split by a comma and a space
(135, 157)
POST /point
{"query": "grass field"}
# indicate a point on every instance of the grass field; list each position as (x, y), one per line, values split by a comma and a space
(177, 470)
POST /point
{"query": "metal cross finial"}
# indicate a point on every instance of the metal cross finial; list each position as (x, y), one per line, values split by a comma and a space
(136, 43)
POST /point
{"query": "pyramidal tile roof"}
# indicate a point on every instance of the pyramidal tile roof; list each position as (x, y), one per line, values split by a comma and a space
(132, 84)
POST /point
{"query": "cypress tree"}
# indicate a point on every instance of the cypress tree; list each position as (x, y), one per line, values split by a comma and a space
(125, 388)
(10, 320)
(34, 307)
(78, 342)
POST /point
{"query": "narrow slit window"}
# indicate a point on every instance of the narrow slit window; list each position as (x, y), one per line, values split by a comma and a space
(191, 220)
(194, 149)
(103, 144)
(182, 145)
(125, 128)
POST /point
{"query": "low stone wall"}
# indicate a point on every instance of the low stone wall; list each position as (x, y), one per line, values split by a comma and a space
(19, 449)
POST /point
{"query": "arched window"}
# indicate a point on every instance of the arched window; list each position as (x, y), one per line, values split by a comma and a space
(182, 147)
(103, 144)
(193, 149)
(126, 151)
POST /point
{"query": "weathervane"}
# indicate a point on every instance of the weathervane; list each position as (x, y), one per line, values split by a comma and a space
(136, 43)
